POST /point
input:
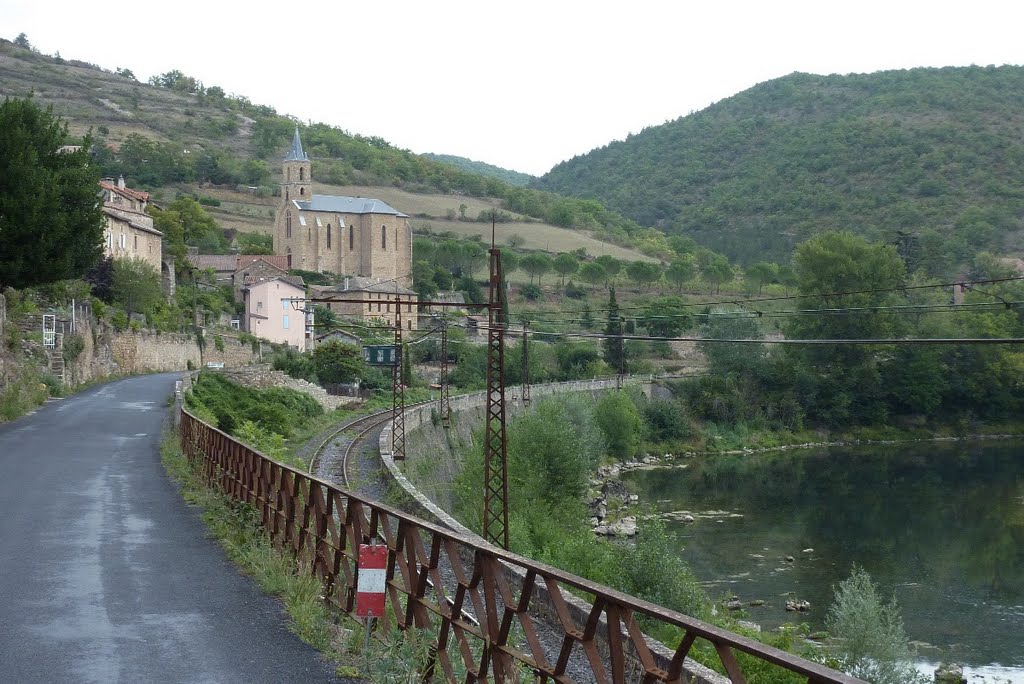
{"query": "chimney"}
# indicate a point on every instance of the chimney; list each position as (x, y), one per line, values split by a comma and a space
(120, 182)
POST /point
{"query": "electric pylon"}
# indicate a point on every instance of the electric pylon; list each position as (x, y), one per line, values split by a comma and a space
(526, 364)
(398, 391)
(495, 449)
(444, 407)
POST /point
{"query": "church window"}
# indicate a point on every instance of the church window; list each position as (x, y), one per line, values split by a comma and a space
(383, 237)
(302, 191)
(351, 238)
(289, 257)
(288, 225)
(328, 236)
(286, 194)
(302, 174)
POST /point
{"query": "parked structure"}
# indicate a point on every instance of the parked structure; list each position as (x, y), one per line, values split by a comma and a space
(345, 235)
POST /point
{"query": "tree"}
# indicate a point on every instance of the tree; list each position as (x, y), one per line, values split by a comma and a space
(22, 41)
(536, 264)
(255, 243)
(592, 272)
(509, 262)
(761, 274)
(680, 272)
(611, 267)
(565, 264)
(336, 361)
(614, 351)
(666, 317)
(136, 285)
(619, 420)
(515, 241)
(643, 272)
(51, 224)
(717, 271)
(871, 642)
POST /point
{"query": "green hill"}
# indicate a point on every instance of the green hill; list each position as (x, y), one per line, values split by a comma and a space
(483, 169)
(930, 158)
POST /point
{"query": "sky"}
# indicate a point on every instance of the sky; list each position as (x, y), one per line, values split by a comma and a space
(523, 85)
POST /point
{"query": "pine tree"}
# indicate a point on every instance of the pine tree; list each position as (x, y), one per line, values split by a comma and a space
(51, 224)
(613, 348)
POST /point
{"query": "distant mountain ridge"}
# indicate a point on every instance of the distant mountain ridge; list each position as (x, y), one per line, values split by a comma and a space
(932, 155)
(483, 169)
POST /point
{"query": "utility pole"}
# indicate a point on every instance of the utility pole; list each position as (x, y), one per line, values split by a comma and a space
(444, 407)
(621, 349)
(526, 364)
(398, 391)
(495, 447)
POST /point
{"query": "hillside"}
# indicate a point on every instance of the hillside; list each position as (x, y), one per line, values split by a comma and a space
(483, 168)
(937, 154)
(177, 131)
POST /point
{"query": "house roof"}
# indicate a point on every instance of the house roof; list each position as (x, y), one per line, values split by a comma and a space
(347, 205)
(296, 153)
(360, 284)
(295, 281)
(126, 217)
(245, 260)
(131, 194)
(218, 262)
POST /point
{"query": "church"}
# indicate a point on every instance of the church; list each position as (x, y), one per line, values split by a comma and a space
(350, 236)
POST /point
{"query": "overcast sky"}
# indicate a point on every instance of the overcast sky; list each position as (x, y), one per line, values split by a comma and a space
(524, 84)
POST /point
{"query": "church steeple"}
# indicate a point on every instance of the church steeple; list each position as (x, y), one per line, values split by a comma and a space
(296, 153)
(298, 173)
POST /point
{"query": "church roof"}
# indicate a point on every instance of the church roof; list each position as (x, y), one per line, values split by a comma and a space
(296, 153)
(347, 205)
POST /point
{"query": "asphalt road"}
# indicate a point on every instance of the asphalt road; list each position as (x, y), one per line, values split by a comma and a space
(106, 574)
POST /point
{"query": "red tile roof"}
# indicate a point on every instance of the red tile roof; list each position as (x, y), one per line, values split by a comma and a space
(127, 192)
(280, 262)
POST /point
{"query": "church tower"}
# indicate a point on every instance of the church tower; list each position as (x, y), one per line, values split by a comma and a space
(298, 173)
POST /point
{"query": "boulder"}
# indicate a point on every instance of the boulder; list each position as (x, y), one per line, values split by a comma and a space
(798, 605)
(950, 673)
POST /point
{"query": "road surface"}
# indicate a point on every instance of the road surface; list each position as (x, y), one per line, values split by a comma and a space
(106, 574)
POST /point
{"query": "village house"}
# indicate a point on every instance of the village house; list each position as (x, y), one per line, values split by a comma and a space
(375, 301)
(129, 231)
(271, 313)
(354, 236)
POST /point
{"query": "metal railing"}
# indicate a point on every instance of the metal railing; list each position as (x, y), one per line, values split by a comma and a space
(485, 605)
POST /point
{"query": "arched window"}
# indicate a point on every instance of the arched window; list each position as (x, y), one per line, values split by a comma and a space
(383, 237)
(302, 191)
(328, 236)
(289, 257)
(288, 224)
(302, 174)
(286, 194)
(351, 238)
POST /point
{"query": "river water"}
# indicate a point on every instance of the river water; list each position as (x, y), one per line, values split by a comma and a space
(940, 525)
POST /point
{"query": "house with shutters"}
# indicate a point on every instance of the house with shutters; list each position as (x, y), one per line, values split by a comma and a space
(271, 312)
(129, 231)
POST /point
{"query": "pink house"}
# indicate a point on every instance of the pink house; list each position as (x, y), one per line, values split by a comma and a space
(269, 313)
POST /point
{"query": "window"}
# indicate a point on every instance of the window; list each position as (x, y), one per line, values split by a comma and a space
(110, 241)
(284, 304)
(285, 323)
(302, 191)
(259, 305)
(289, 255)
(302, 174)
(410, 325)
(383, 237)
(136, 242)
(286, 194)
(288, 225)
(328, 236)
(288, 172)
(124, 242)
(351, 238)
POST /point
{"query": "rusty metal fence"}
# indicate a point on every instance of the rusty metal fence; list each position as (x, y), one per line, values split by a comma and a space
(487, 608)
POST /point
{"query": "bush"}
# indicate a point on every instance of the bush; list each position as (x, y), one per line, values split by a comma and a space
(276, 410)
(871, 643)
(574, 291)
(531, 292)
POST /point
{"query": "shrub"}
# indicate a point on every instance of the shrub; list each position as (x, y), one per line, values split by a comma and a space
(531, 292)
(871, 643)
(574, 291)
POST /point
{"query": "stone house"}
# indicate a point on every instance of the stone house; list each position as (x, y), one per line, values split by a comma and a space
(354, 236)
(377, 301)
(270, 315)
(129, 231)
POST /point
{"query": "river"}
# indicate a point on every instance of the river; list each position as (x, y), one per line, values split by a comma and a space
(940, 525)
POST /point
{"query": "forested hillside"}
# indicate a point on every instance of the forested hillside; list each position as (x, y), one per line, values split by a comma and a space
(483, 168)
(934, 154)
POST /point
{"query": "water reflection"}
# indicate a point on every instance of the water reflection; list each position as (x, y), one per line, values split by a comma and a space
(941, 525)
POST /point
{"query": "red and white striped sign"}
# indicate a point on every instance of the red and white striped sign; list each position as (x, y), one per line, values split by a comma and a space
(373, 563)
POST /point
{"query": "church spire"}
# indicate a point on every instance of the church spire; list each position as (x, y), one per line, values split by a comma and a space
(296, 153)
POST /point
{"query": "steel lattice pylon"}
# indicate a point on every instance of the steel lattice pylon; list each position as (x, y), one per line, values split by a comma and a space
(526, 365)
(398, 391)
(444, 403)
(495, 453)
